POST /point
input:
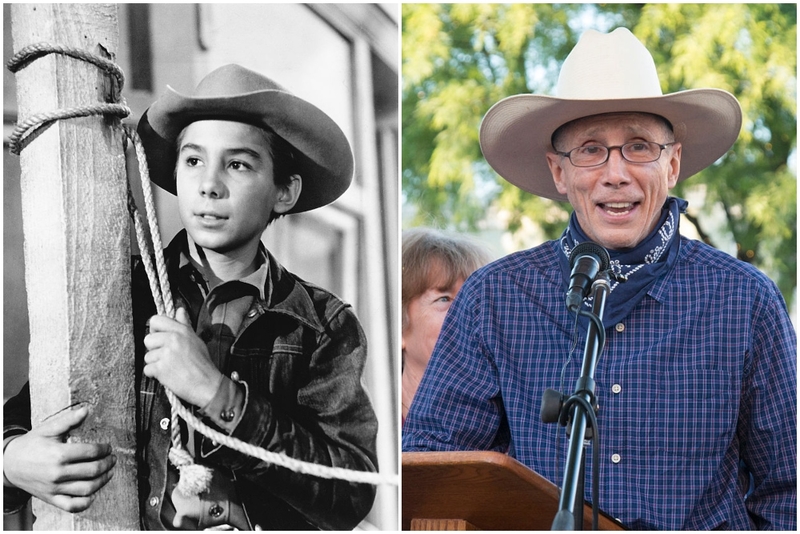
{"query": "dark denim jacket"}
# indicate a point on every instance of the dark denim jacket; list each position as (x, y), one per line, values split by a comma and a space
(301, 353)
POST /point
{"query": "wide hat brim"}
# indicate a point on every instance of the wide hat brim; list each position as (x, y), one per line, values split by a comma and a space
(324, 157)
(604, 73)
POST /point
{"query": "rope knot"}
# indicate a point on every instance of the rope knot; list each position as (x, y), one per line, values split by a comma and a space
(195, 478)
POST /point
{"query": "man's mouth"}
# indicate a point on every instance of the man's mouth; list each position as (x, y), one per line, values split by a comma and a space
(617, 208)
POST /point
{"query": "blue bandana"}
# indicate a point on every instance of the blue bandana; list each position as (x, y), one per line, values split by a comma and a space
(643, 265)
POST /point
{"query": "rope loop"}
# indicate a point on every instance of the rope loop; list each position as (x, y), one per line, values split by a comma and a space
(27, 130)
(34, 51)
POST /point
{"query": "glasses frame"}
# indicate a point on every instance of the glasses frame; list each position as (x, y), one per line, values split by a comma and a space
(661, 146)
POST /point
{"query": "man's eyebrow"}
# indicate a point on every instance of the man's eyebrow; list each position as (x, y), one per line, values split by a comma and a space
(631, 130)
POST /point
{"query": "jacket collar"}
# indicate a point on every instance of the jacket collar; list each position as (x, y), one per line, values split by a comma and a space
(282, 293)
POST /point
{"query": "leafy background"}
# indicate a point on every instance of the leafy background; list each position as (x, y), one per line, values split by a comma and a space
(459, 59)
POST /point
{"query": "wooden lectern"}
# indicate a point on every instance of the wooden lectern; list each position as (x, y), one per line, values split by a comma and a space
(479, 491)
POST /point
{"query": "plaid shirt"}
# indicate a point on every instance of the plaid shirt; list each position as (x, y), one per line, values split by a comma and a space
(696, 387)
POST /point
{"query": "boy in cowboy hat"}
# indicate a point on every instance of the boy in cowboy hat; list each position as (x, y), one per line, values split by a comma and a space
(254, 351)
(697, 384)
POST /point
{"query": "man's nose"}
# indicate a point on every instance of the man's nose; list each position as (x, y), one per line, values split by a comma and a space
(616, 168)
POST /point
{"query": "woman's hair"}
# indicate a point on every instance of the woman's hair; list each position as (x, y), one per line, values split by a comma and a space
(433, 258)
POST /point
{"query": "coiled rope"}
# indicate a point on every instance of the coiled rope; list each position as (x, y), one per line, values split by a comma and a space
(194, 477)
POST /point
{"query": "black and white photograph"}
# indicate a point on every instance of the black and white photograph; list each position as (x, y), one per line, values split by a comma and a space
(200, 234)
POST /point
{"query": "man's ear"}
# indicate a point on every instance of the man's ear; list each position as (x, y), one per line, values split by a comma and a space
(288, 194)
(674, 165)
(554, 162)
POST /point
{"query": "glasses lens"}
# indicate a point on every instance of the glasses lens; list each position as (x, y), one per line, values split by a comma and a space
(642, 152)
(589, 155)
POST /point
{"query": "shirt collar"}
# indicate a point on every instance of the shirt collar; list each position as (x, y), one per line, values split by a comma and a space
(257, 278)
(281, 291)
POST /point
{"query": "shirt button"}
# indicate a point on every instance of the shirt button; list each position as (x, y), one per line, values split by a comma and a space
(620, 327)
(252, 313)
(164, 423)
(215, 510)
(153, 501)
(616, 388)
(616, 458)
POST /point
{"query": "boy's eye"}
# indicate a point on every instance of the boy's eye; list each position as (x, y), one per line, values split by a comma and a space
(238, 165)
(192, 161)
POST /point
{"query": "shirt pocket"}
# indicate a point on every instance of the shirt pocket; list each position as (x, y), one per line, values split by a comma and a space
(274, 371)
(695, 413)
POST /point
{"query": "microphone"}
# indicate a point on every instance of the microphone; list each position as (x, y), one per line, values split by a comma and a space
(587, 259)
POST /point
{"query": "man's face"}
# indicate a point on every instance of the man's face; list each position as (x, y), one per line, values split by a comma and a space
(225, 185)
(617, 203)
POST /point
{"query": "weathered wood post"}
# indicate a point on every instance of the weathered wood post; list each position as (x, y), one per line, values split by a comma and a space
(77, 252)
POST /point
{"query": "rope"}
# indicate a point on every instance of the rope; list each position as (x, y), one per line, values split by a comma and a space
(34, 51)
(194, 478)
(27, 130)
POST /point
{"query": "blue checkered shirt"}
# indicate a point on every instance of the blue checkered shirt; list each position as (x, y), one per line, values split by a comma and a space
(696, 387)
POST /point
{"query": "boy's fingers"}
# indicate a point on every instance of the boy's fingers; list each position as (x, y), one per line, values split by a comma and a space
(182, 316)
(95, 473)
(62, 422)
(83, 453)
(162, 323)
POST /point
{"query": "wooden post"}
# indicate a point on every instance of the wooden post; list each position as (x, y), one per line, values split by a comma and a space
(77, 252)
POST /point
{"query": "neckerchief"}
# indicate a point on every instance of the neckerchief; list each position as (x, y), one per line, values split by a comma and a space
(643, 264)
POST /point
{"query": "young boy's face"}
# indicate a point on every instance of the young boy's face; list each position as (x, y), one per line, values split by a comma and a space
(225, 185)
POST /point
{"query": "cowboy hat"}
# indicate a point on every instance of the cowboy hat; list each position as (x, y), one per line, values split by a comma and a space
(604, 73)
(234, 93)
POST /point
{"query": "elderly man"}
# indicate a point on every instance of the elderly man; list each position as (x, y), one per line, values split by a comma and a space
(697, 381)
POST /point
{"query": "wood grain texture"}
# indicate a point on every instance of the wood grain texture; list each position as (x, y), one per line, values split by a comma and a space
(77, 252)
(479, 490)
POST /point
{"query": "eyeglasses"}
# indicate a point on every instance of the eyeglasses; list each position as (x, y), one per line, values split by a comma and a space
(635, 152)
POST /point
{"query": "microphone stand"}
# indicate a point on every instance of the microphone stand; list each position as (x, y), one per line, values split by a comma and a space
(571, 499)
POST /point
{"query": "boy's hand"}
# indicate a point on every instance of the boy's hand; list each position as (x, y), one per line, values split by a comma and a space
(179, 359)
(66, 475)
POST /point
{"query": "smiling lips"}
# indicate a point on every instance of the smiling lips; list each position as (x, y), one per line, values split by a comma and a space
(617, 208)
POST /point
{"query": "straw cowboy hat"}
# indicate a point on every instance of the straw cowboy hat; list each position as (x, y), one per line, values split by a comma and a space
(604, 73)
(234, 93)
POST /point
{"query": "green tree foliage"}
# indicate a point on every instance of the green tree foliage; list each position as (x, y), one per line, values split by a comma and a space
(460, 59)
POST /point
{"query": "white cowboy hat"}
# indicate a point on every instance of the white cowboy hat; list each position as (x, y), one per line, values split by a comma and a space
(323, 156)
(604, 73)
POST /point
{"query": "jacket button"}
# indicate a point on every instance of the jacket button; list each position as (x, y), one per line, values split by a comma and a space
(252, 313)
(235, 376)
(215, 510)
(164, 423)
